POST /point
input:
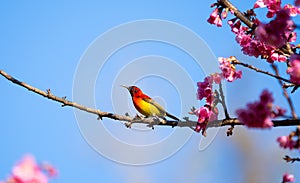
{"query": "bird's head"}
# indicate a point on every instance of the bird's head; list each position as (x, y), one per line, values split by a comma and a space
(133, 90)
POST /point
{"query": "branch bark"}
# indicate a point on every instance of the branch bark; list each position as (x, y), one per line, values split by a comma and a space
(237, 13)
(149, 121)
(285, 93)
(236, 62)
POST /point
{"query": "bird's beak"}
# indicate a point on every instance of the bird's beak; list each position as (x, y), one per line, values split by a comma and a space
(128, 88)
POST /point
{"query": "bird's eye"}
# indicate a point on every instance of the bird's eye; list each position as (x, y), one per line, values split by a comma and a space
(133, 90)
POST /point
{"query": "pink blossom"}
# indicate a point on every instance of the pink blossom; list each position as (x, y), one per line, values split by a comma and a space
(254, 47)
(266, 97)
(243, 39)
(267, 37)
(205, 114)
(228, 70)
(286, 142)
(216, 77)
(52, 172)
(27, 171)
(205, 88)
(276, 32)
(294, 69)
(276, 56)
(297, 2)
(273, 6)
(288, 178)
(278, 111)
(293, 10)
(224, 14)
(215, 18)
(208, 112)
(259, 4)
(258, 114)
(267, 34)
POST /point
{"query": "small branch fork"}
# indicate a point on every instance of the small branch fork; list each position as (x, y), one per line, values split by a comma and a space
(285, 93)
(223, 101)
(126, 118)
(290, 160)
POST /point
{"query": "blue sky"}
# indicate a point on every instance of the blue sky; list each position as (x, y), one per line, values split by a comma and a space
(43, 44)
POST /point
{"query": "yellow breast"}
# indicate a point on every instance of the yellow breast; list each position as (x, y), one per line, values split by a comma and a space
(149, 108)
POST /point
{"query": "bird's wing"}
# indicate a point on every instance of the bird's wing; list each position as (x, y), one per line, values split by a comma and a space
(157, 105)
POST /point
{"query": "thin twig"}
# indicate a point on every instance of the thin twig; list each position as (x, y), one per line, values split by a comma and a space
(289, 159)
(236, 62)
(285, 93)
(223, 101)
(126, 118)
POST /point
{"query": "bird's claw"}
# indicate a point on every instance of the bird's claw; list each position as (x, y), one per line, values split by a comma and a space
(137, 116)
(174, 124)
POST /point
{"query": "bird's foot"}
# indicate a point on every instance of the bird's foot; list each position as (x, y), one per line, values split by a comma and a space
(155, 121)
(156, 118)
(137, 117)
(174, 124)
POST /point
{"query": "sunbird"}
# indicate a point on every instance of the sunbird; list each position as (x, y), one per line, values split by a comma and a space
(145, 105)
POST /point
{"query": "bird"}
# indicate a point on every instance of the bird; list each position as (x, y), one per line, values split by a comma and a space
(146, 105)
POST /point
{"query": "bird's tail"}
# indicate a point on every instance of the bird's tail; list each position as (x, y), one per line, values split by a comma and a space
(171, 116)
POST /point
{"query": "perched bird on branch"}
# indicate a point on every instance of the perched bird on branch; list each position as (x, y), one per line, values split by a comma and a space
(145, 105)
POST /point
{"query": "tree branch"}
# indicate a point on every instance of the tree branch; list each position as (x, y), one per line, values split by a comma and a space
(149, 121)
(223, 101)
(289, 159)
(236, 62)
(285, 93)
(238, 14)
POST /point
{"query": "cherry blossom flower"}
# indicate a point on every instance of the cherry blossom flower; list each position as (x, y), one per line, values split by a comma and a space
(288, 178)
(52, 172)
(267, 37)
(293, 10)
(224, 14)
(228, 70)
(286, 142)
(252, 46)
(259, 4)
(276, 32)
(208, 112)
(216, 78)
(294, 69)
(205, 114)
(215, 18)
(276, 56)
(259, 114)
(28, 171)
(272, 5)
(205, 87)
